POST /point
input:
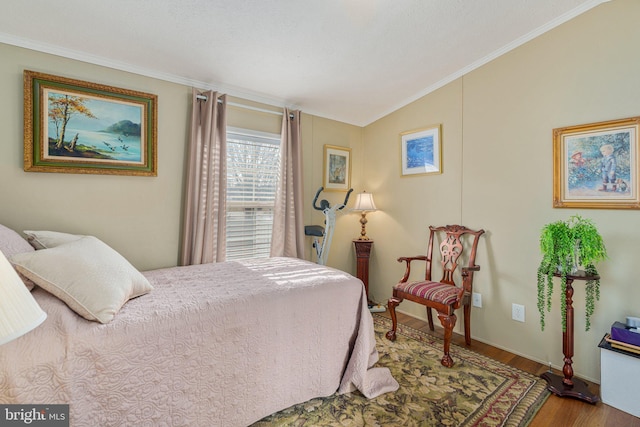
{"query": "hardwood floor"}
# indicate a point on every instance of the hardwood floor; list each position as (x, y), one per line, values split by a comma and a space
(556, 411)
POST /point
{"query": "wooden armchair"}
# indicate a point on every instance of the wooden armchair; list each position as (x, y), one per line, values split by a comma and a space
(444, 296)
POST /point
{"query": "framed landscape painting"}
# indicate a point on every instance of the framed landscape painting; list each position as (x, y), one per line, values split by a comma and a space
(596, 165)
(73, 126)
(421, 151)
(337, 168)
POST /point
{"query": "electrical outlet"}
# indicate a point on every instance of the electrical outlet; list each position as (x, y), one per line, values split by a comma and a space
(517, 312)
(476, 299)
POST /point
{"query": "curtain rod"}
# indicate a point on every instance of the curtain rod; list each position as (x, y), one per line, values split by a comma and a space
(246, 107)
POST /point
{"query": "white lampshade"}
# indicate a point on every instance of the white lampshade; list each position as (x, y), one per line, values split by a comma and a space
(19, 311)
(364, 202)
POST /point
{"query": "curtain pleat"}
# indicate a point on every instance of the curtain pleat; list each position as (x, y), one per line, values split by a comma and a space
(204, 227)
(288, 225)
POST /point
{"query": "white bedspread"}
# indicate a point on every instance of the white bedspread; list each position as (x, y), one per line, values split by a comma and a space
(212, 345)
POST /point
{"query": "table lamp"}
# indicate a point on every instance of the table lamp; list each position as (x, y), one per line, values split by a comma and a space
(19, 311)
(364, 204)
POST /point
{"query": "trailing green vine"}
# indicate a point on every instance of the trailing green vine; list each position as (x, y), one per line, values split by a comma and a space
(592, 294)
(565, 245)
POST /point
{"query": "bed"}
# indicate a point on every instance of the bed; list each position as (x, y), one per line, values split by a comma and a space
(218, 344)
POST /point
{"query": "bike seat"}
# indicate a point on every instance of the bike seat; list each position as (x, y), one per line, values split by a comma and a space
(314, 230)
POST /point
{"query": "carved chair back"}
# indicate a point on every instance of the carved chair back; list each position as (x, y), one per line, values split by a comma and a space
(450, 249)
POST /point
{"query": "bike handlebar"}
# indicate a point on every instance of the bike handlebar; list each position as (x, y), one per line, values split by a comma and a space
(346, 199)
(324, 204)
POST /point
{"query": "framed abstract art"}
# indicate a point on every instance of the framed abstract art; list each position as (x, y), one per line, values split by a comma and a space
(421, 151)
(337, 168)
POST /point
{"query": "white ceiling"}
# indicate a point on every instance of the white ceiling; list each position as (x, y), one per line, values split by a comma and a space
(349, 60)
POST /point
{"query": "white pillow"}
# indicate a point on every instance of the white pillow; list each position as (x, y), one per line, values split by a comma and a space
(89, 276)
(12, 243)
(49, 239)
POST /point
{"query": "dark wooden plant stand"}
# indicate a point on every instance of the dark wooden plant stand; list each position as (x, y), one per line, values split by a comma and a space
(569, 386)
(363, 251)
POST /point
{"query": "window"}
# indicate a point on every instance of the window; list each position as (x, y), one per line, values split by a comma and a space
(253, 160)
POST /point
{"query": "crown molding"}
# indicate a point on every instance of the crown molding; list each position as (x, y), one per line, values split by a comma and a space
(146, 72)
(495, 54)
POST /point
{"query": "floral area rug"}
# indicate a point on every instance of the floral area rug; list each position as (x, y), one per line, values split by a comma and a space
(476, 391)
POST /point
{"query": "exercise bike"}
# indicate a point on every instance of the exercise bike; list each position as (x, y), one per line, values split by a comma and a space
(325, 233)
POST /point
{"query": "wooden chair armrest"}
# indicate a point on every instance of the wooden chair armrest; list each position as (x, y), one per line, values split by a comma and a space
(408, 261)
(467, 276)
(470, 268)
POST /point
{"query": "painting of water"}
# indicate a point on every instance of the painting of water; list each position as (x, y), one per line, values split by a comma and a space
(420, 151)
(74, 126)
(94, 128)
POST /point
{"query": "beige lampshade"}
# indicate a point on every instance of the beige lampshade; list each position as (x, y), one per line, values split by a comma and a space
(364, 202)
(19, 311)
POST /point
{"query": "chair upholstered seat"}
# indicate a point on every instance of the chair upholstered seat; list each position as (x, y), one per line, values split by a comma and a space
(433, 291)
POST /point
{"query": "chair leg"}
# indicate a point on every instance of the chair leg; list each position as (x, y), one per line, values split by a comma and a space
(448, 322)
(392, 304)
(467, 323)
(429, 318)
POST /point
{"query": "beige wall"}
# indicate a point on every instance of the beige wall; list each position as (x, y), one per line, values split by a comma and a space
(138, 216)
(497, 149)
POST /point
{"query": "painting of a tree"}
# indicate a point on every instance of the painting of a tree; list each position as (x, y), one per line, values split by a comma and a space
(74, 126)
(61, 109)
(102, 129)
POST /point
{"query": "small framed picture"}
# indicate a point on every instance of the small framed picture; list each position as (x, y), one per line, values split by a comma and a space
(73, 126)
(596, 165)
(421, 151)
(337, 168)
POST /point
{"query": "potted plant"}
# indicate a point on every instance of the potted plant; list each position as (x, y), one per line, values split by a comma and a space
(566, 246)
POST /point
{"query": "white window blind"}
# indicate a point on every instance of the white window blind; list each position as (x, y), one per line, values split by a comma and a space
(252, 176)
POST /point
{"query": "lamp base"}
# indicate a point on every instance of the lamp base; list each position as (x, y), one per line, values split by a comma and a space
(363, 229)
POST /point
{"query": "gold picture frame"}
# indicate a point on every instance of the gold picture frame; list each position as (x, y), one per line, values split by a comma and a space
(596, 165)
(421, 151)
(74, 126)
(337, 168)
